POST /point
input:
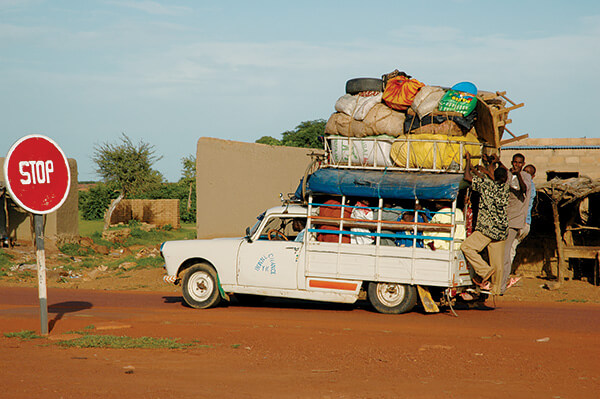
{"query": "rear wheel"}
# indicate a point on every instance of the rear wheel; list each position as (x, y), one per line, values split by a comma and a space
(392, 298)
(200, 286)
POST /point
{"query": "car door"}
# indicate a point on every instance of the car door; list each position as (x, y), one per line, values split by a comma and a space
(271, 263)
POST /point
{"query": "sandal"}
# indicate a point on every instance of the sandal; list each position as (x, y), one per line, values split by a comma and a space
(484, 285)
(466, 296)
(513, 281)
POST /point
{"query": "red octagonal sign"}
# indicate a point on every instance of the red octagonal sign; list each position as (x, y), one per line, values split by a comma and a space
(37, 174)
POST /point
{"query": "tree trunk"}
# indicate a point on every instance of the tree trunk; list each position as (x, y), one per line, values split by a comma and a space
(189, 203)
(111, 209)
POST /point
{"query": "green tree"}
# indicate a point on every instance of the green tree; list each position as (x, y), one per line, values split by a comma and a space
(127, 167)
(268, 140)
(94, 202)
(188, 178)
(305, 135)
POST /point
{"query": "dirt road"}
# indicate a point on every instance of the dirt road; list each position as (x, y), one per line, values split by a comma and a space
(290, 349)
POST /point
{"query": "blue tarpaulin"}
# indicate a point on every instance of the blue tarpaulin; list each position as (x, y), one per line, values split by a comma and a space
(383, 184)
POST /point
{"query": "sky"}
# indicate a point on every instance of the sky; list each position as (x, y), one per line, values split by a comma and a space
(170, 72)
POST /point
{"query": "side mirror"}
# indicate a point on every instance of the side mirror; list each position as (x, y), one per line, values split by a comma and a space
(248, 234)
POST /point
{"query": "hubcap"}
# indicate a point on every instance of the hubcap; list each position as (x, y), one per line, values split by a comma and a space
(201, 286)
(390, 294)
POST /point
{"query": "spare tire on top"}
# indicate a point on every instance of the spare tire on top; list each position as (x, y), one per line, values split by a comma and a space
(355, 86)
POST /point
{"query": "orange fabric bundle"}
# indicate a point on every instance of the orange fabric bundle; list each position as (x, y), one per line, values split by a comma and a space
(400, 92)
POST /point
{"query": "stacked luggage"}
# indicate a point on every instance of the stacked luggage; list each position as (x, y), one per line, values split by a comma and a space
(399, 122)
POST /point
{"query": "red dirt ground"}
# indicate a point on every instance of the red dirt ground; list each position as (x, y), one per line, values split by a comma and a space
(293, 349)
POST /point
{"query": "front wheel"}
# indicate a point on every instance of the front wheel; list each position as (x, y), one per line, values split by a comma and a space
(392, 298)
(200, 286)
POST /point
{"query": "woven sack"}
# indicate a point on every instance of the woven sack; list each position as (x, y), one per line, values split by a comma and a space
(338, 124)
(384, 120)
(427, 99)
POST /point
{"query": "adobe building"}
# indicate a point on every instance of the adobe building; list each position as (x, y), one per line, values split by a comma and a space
(61, 225)
(237, 181)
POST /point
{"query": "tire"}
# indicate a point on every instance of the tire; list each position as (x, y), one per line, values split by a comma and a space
(355, 86)
(392, 298)
(200, 286)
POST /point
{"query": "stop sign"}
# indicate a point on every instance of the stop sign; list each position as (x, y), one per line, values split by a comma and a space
(37, 174)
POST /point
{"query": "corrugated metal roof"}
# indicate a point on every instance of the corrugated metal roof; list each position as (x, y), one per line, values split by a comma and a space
(551, 147)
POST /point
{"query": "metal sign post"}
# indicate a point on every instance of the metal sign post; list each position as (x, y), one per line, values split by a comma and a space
(38, 178)
(40, 254)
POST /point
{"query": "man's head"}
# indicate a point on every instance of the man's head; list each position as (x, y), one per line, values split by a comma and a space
(530, 169)
(408, 217)
(518, 160)
(500, 175)
(298, 224)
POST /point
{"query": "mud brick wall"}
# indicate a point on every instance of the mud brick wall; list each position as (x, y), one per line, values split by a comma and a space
(158, 212)
(60, 225)
(237, 181)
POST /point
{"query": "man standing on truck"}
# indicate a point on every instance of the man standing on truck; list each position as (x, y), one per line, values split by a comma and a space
(491, 229)
(518, 205)
(525, 230)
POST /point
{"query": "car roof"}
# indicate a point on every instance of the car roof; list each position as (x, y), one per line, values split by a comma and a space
(292, 209)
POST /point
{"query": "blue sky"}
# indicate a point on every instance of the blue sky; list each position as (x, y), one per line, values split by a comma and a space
(170, 72)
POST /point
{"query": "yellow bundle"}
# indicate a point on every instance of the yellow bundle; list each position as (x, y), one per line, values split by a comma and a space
(444, 149)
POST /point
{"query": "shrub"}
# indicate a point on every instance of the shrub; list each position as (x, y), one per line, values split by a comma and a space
(94, 203)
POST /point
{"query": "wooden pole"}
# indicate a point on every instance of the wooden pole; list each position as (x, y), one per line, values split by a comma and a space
(559, 244)
(38, 221)
(597, 268)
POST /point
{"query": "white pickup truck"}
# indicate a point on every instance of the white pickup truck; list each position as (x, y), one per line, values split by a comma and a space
(274, 260)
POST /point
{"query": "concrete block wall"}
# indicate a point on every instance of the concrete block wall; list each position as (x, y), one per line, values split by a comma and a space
(579, 155)
(557, 155)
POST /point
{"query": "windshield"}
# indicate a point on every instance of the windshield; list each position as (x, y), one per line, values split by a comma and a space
(259, 219)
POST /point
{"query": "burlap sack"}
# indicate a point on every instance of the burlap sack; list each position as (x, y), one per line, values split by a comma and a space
(338, 124)
(448, 128)
(380, 120)
(384, 120)
(343, 125)
(360, 129)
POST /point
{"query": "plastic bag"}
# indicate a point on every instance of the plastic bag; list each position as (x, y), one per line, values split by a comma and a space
(361, 214)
